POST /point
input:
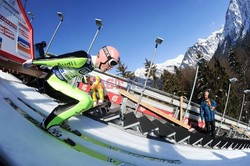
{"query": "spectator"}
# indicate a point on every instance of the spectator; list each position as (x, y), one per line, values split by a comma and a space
(207, 113)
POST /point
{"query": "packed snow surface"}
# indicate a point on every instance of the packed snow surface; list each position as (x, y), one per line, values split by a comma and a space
(22, 143)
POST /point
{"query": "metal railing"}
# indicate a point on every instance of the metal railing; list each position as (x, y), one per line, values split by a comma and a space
(164, 97)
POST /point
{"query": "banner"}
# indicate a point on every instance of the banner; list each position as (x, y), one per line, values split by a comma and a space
(16, 34)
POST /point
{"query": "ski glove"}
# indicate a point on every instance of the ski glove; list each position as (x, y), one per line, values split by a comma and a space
(27, 63)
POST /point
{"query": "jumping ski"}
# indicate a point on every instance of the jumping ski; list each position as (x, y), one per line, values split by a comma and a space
(68, 141)
(97, 142)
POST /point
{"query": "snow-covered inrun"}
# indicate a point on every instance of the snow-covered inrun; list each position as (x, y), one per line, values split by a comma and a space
(22, 143)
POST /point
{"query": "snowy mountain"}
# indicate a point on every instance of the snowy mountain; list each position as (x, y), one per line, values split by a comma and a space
(237, 19)
(167, 65)
(237, 24)
(236, 28)
(205, 47)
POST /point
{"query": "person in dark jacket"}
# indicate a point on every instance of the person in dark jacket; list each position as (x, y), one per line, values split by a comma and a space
(207, 113)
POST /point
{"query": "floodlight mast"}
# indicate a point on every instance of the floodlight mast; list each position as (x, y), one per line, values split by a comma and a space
(200, 60)
(32, 16)
(60, 15)
(158, 41)
(231, 81)
(242, 106)
(100, 25)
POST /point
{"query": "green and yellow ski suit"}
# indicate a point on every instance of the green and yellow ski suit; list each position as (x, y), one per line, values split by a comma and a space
(60, 84)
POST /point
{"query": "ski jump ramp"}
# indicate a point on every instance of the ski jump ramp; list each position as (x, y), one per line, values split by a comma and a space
(21, 143)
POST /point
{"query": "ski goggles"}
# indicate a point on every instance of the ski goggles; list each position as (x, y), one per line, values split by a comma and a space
(112, 62)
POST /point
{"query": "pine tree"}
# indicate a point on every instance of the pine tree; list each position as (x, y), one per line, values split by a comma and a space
(172, 83)
(122, 71)
(220, 84)
(204, 81)
(179, 82)
(238, 70)
(186, 77)
(166, 80)
(233, 108)
(236, 67)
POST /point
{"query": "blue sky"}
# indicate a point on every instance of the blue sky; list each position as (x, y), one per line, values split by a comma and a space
(129, 25)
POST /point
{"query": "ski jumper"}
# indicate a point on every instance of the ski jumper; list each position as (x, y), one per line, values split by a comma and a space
(60, 84)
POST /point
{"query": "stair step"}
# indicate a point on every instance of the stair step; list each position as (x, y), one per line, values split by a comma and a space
(163, 130)
(180, 136)
(146, 125)
(130, 120)
(112, 114)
